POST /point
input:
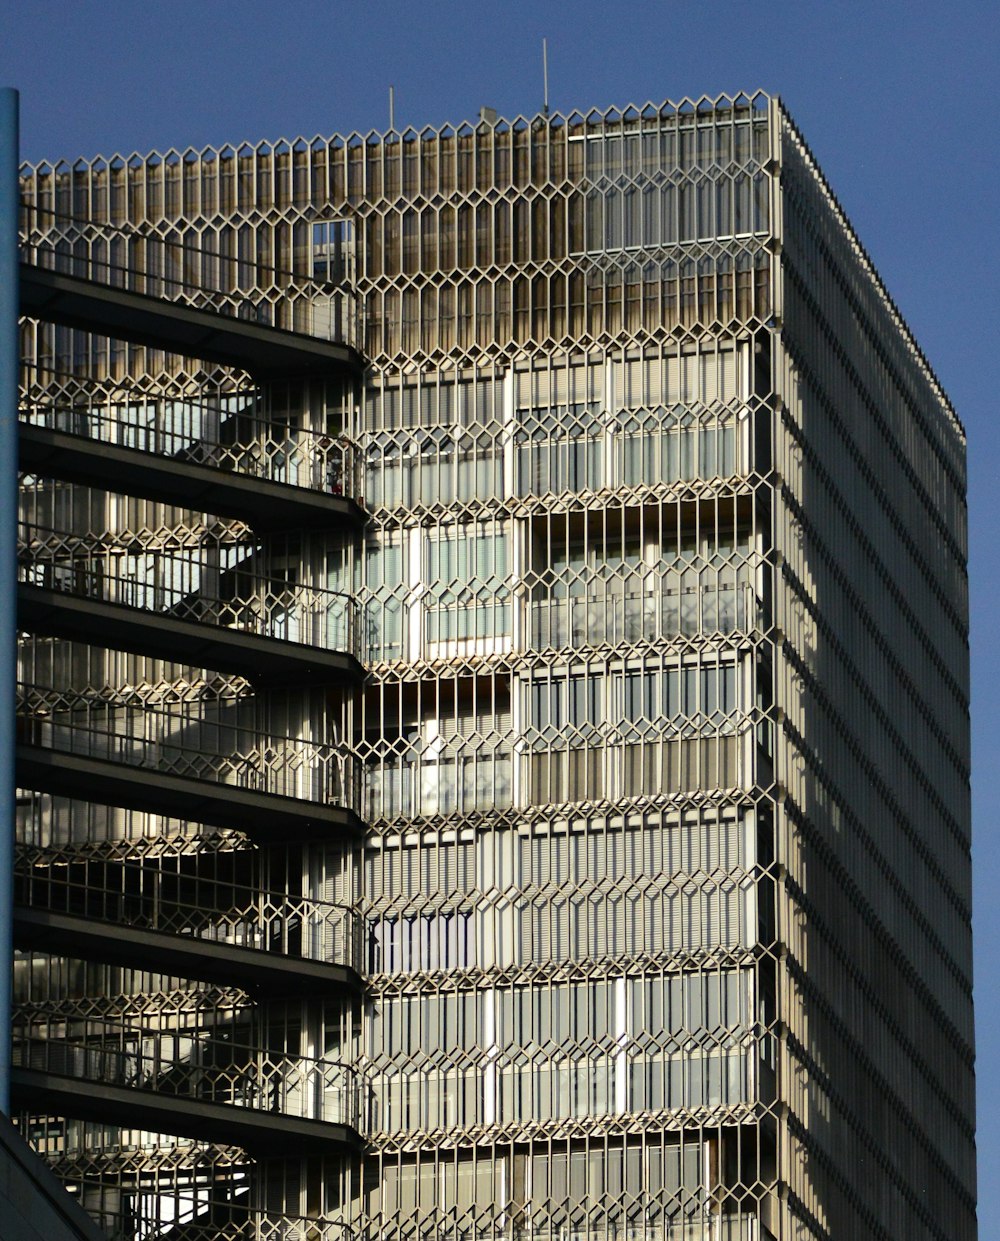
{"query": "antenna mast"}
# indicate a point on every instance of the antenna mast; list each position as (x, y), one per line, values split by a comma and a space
(545, 75)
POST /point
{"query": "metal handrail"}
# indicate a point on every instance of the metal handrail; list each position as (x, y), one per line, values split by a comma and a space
(192, 747)
(205, 1067)
(204, 908)
(187, 587)
(237, 439)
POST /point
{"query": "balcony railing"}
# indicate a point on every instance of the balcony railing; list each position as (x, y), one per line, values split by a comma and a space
(194, 748)
(203, 1068)
(221, 588)
(122, 257)
(127, 894)
(226, 435)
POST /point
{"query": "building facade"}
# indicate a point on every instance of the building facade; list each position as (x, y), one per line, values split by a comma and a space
(502, 773)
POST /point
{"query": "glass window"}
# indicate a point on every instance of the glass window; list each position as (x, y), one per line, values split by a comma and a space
(435, 941)
(385, 609)
(333, 251)
(468, 593)
(705, 693)
(565, 703)
(560, 448)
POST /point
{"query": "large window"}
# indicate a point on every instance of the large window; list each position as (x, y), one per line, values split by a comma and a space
(468, 591)
(333, 251)
(680, 416)
(385, 603)
(459, 764)
(639, 1188)
(434, 399)
(560, 448)
(655, 729)
(662, 883)
(410, 934)
(643, 588)
(444, 465)
(559, 429)
(412, 943)
(460, 1195)
(576, 426)
(664, 187)
(439, 592)
(555, 1051)
(651, 214)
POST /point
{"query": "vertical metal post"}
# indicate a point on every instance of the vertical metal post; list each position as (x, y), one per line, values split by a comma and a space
(545, 77)
(9, 363)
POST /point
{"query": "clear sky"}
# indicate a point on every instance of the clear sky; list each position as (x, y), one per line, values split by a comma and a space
(897, 98)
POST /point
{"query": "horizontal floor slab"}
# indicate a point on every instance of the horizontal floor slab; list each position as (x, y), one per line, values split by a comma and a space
(257, 348)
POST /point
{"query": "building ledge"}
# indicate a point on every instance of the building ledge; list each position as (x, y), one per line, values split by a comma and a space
(261, 815)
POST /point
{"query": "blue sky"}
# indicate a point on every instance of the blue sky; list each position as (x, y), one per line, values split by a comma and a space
(897, 100)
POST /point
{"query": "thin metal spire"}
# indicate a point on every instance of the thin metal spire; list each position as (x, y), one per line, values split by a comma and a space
(545, 76)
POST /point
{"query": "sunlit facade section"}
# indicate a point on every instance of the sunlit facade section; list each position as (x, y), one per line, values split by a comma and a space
(564, 834)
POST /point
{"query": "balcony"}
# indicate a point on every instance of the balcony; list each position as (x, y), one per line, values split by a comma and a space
(218, 773)
(231, 462)
(184, 299)
(207, 607)
(190, 1085)
(179, 922)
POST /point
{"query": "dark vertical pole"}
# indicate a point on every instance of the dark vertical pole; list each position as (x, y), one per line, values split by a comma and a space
(9, 364)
